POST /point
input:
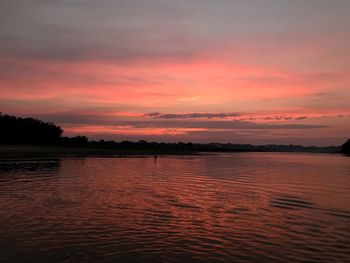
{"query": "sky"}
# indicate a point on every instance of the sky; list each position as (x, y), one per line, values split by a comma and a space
(239, 71)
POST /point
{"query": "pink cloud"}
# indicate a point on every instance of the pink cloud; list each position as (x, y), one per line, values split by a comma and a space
(260, 80)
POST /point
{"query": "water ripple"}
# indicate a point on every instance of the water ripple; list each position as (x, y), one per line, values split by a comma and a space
(221, 208)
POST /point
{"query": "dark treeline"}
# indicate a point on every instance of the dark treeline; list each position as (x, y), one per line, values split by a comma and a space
(28, 130)
(141, 145)
(15, 130)
(193, 147)
(345, 148)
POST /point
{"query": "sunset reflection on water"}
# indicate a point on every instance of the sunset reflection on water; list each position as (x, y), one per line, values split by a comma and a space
(222, 207)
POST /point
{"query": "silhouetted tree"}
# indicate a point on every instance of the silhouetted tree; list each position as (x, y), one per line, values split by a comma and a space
(345, 148)
(28, 130)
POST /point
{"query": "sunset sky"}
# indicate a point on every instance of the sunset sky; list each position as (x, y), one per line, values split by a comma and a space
(240, 71)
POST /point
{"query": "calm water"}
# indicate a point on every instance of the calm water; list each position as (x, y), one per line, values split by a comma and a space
(228, 207)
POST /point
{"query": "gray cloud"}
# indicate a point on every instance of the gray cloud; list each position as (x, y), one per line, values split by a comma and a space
(301, 118)
(125, 30)
(76, 119)
(157, 115)
(229, 125)
(87, 30)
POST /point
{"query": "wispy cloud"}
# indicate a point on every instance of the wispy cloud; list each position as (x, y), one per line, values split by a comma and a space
(157, 115)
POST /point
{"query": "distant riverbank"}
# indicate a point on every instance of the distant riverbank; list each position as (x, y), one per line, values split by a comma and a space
(33, 143)
(20, 152)
(13, 152)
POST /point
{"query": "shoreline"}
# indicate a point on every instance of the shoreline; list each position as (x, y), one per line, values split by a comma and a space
(43, 152)
(20, 152)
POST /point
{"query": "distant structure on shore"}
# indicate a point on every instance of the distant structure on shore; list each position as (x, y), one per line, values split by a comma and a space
(17, 130)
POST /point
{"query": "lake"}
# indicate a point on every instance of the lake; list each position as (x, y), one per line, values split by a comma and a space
(242, 207)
